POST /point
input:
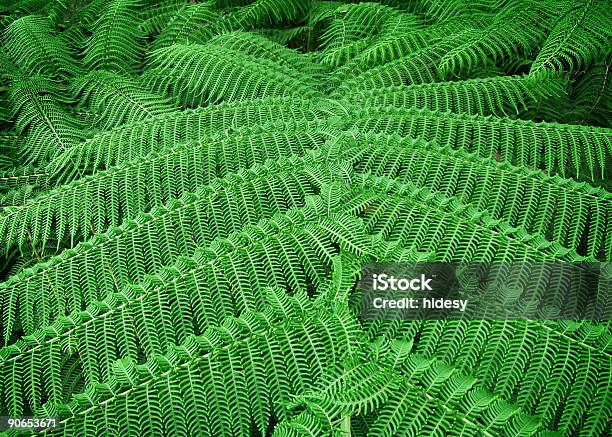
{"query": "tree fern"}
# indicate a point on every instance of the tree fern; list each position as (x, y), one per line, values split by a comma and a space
(210, 358)
(352, 29)
(386, 392)
(45, 128)
(189, 191)
(414, 68)
(576, 215)
(501, 96)
(136, 312)
(255, 45)
(450, 229)
(193, 23)
(398, 36)
(592, 96)
(518, 29)
(262, 12)
(222, 206)
(518, 351)
(19, 176)
(154, 20)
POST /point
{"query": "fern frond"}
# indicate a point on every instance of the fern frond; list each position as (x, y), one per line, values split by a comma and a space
(118, 100)
(201, 74)
(165, 233)
(351, 30)
(500, 96)
(90, 205)
(304, 424)
(442, 11)
(116, 42)
(293, 37)
(18, 177)
(207, 377)
(6, 162)
(517, 30)
(592, 96)
(255, 45)
(18, 197)
(405, 394)
(110, 148)
(542, 356)
(568, 150)
(46, 129)
(292, 251)
(36, 48)
(579, 36)
(189, 190)
(572, 214)
(192, 24)
(155, 19)
(415, 63)
(447, 228)
(399, 36)
(261, 13)
(415, 68)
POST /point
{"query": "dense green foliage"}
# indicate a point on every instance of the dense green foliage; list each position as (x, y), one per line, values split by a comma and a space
(188, 190)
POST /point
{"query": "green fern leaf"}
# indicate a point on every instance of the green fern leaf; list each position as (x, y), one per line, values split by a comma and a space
(116, 40)
(213, 211)
(46, 129)
(193, 23)
(35, 48)
(574, 215)
(200, 74)
(499, 96)
(130, 141)
(568, 150)
(582, 32)
(118, 100)
(89, 205)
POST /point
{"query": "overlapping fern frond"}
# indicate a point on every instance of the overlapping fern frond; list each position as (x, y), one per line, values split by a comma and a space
(193, 23)
(267, 349)
(575, 215)
(189, 191)
(45, 127)
(260, 13)
(174, 230)
(579, 36)
(569, 150)
(498, 95)
(116, 42)
(200, 74)
(118, 100)
(129, 141)
(89, 205)
(34, 47)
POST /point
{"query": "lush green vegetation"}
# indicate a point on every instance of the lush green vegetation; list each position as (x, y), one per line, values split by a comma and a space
(188, 190)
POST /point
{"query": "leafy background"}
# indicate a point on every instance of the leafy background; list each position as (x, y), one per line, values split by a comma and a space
(189, 188)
